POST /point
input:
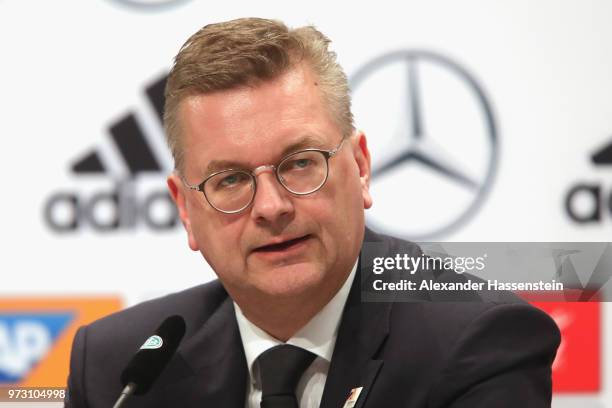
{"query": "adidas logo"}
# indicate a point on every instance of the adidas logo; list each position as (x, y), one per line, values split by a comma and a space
(131, 151)
(603, 156)
(588, 203)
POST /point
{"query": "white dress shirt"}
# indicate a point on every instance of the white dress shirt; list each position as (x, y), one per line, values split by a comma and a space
(318, 336)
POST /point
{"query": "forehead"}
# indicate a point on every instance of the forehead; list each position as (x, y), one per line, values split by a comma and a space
(254, 125)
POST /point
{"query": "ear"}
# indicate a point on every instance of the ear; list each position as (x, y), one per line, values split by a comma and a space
(177, 192)
(362, 157)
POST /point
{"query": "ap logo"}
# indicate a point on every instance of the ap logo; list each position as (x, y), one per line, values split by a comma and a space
(25, 339)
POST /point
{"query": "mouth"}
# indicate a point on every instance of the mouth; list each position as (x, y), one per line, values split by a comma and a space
(282, 246)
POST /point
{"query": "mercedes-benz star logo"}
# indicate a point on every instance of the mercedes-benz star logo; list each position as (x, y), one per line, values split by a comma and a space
(433, 140)
(150, 4)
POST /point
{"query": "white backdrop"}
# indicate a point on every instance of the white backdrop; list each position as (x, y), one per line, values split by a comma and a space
(70, 70)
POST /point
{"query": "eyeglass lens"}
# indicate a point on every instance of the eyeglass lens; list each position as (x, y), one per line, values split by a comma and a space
(300, 173)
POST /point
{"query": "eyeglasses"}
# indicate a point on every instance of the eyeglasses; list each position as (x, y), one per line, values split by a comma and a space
(301, 173)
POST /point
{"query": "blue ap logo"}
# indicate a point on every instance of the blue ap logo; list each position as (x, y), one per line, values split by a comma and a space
(25, 339)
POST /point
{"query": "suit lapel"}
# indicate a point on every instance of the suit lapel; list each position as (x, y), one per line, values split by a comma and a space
(210, 369)
(362, 331)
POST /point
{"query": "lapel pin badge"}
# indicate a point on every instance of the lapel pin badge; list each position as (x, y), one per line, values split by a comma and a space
(353, 397)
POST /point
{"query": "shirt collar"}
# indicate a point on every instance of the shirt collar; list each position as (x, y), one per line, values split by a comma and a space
(318, 335)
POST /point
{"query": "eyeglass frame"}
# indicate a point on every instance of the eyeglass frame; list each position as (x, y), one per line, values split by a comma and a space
(328, 154)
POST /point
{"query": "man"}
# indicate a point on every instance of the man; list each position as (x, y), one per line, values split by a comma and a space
(271, 184)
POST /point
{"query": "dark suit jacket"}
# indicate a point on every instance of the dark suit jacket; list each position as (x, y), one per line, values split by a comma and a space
(404, 354)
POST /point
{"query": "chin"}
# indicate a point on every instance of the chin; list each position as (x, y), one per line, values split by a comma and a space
(291, 280)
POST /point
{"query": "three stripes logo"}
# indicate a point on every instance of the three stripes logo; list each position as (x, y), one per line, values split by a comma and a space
(588, 202)
(129, 155)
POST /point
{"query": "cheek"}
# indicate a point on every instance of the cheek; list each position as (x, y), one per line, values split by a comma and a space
(217, 235)
(221, 249)
(349, 196)
(341, 211)
(349, 205)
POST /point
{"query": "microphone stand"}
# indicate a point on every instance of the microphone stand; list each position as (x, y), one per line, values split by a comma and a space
(127, 391)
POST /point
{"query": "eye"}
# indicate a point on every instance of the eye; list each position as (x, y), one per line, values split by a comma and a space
(299, 164)
(229, 180)
(232, 180)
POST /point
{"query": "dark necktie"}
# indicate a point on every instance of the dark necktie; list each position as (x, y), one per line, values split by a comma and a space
(281, 368)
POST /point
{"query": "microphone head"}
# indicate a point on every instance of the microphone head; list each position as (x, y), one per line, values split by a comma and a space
(153, 356)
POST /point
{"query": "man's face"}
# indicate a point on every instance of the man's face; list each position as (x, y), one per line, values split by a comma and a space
(282, 245)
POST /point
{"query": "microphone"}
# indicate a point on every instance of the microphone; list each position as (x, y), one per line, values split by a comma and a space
(153, 356)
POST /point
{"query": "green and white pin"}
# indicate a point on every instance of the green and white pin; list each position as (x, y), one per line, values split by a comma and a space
(153, 342)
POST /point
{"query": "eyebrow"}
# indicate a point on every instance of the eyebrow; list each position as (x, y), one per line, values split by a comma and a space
(308, 141)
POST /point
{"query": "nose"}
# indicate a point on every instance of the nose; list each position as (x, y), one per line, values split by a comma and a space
(271, 202)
